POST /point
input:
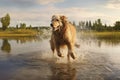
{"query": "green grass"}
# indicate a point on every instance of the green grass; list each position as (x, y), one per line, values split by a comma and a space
(100, 33)
(109, 35)
(18, 32)
(106, 33)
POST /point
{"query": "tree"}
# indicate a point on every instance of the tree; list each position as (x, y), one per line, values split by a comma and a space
(94, 27)
(22, 26)
(82, 25)
(97, 25)
(105, 25)
(74, 23)
(17, 26)
(5, 21)
(30, 27)
(87, 25)
(90, 24)
(117, 25)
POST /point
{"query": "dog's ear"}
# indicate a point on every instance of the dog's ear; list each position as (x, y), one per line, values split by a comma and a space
(63, 18)
(53, 17)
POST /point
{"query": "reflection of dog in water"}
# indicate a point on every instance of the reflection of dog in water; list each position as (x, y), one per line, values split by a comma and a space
(63, 33)
(63, 72)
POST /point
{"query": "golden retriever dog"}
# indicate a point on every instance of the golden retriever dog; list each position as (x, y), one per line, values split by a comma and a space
(63, 34)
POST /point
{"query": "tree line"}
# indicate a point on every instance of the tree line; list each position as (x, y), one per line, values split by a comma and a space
(97, 25)
(5, 21)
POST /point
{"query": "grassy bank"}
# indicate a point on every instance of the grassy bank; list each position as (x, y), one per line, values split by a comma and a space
(106, 33)
(100, 34)
(18, 32)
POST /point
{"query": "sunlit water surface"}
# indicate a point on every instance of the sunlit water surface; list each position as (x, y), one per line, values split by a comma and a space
(29, 58)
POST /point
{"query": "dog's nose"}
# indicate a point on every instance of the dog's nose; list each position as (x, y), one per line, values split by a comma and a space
(51, 25)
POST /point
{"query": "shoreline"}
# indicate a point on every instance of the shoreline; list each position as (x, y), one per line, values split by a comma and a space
(19, 33)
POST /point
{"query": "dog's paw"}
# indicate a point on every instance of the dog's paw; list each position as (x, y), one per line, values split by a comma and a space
(60, 55)
(72, 55)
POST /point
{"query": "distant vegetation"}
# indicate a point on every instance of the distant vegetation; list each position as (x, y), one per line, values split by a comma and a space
(20, 29)
(97, 25)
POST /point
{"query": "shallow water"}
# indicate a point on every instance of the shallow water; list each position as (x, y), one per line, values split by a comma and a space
(30, 58)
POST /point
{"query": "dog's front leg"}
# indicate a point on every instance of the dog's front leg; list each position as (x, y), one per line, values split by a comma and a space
(70, 50)
(58, 51)
(52, 45)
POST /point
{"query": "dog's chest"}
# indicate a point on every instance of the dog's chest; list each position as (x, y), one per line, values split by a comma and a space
(60, 38)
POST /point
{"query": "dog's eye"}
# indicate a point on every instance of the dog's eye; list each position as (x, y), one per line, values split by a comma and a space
(57, 20)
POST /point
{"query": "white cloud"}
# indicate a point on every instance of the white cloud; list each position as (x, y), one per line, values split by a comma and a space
(76, 13)
(44, 2)
(27, 3)
(113, 4)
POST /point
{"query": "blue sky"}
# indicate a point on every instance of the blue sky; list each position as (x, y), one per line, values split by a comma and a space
(39, 12)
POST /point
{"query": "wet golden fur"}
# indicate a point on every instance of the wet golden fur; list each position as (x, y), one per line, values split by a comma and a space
(63, 35)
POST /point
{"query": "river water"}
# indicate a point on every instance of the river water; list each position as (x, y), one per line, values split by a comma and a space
(30, 58)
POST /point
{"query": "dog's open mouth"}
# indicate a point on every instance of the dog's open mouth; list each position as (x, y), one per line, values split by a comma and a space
(56, 28)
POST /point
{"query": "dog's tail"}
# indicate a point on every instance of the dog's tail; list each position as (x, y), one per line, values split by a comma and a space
(77, 45)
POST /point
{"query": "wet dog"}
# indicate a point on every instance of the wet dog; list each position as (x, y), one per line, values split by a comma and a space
(63, 34)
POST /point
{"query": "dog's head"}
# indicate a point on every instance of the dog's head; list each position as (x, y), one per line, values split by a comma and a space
(57, 22)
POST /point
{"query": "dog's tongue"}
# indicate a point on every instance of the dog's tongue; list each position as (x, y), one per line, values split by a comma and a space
(55, 29)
